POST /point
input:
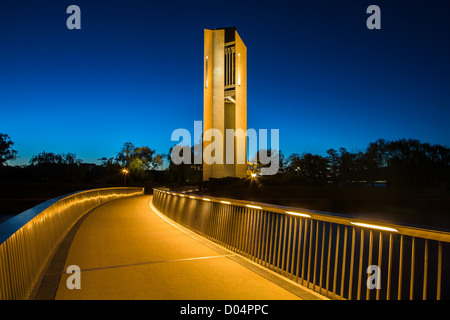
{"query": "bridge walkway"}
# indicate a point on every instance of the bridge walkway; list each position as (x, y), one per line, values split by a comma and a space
(126, 249)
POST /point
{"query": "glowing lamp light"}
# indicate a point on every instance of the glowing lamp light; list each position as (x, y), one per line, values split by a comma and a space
(373, 226)
(192, 197)
(298, 214)
(254, 207)
(253, 175)
(206, 199)
(225, 202)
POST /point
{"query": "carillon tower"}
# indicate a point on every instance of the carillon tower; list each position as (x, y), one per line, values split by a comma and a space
(225, 99)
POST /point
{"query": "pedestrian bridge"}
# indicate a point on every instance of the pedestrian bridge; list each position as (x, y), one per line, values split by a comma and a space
(118, 243)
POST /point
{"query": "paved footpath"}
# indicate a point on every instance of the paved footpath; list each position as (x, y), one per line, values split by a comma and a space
(127, 250)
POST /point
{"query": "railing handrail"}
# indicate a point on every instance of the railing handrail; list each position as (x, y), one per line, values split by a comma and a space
(310, 247)
(430, 234)
(13, 224)
(28, 239)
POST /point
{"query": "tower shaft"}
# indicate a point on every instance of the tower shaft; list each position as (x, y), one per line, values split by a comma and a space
(225, 101)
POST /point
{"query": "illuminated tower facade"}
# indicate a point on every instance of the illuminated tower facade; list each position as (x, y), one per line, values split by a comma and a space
(225, 100)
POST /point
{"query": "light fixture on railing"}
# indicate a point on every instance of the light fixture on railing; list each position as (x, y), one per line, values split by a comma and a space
(298, 214)
(206, 199)
(254, 207)
(225, 202)
(373, 226)
(192, 197)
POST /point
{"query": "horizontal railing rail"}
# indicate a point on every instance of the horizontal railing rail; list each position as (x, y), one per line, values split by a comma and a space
(337, 256)
(28, 239)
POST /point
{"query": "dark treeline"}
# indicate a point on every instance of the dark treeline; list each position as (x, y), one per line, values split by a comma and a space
(400, 163)
(404, 163)
(140, 164)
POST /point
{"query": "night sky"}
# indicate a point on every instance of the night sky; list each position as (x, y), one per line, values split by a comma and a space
(134, 72)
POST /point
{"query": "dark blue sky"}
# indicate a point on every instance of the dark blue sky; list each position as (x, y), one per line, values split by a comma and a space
(134, 72)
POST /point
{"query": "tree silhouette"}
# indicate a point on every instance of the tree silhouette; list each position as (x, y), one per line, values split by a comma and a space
(333, 164)
(150, 160)
(184, 173)
(414, 164)
(50, 158)
(309, 166)
(125, 156)
(400, 163)
(7, 153)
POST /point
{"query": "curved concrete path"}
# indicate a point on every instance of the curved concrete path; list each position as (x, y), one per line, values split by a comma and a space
(127, 250)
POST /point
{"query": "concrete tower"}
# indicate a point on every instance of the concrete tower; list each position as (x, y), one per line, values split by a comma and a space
(225, 100)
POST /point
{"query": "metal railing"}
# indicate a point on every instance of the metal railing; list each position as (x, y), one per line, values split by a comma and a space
(28, 239)
(327, 253)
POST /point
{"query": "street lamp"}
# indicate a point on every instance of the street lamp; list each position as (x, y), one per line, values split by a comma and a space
(125, 172)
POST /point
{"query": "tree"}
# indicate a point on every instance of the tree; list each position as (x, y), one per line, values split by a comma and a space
(50, 158)
(106, 162)
(282, 162)
(183, 173)
(293, 164)
(376, 159)
(312, 167)
(137, 167)
(333, 164)
(7, 153)
(45, 158)
(266, 160)
(412, 163)
(150, 160)
(125, 156)
(138, 160)
(71, 159)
